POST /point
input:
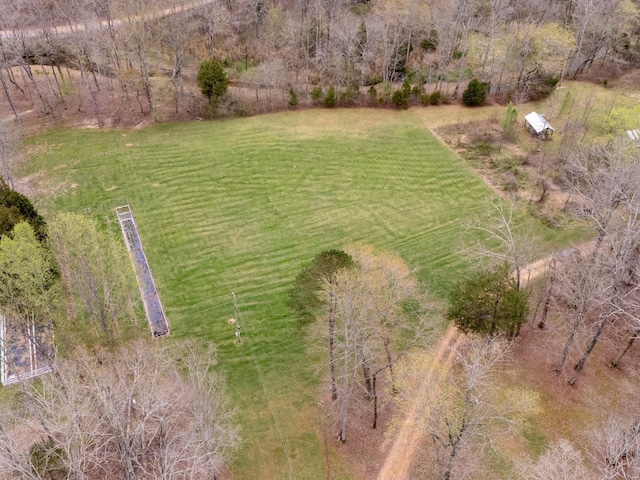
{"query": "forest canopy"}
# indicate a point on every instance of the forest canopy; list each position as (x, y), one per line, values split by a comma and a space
(152, 50)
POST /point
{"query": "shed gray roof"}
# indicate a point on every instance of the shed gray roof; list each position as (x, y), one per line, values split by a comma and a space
(538, 122)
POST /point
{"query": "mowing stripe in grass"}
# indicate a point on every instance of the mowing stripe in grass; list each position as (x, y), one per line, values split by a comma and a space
(242, 206)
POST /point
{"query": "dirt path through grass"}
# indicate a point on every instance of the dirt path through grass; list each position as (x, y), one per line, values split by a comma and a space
(397, 465)
(400, 458)
(539, 267)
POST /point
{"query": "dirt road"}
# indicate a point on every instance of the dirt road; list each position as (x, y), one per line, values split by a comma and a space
(397, 465)
(82, 27)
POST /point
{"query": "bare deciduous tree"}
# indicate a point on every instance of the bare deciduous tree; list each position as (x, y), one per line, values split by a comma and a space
(562, 461)
(126, 414)
(616, 448)
(603, 179)
(349, 339)
(138, 20)
(395, 312)
(579, 287)
(607, 183)
(468, 406)
(94, 268)
(596, 24)
(10, 142)
(389, 285)
(372, 325)
(623, 243)
(506, 241)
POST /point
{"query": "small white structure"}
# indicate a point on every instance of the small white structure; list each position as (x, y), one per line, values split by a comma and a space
(538, 125)
(634, 135)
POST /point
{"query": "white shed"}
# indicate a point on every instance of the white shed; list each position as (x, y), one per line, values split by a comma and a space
(538, 125)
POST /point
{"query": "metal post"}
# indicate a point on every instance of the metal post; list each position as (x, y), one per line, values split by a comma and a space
(236, 313)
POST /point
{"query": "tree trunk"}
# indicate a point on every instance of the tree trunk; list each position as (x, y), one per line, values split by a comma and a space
(343, 427)
(146, 82)
(55, 91)
(176, 93)
(499, 86)
(94, 102)
(390, 364)
(366, 372)
(455, 442)
(6, 91)
(126, 457)
(12, 79)
(375, 402)
(545, 311)
(603, 320)
(332, 362)
(574, 330)
(549, 292)
(91, 70)
(27, 69)
(567, 346)
(58, 85)
(616, 362)
(602, 229)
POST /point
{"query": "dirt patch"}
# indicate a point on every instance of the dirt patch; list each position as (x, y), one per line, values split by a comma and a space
(88, 125)
(111, 188)
(574, 412)
(629, 81)
(364, 450)
(37, 185)
(25, 185)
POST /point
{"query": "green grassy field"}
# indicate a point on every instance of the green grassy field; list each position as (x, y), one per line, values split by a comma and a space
(241, 206)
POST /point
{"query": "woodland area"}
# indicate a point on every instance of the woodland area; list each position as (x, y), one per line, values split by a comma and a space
(118, 63)
(146, 52)
(373, 320)
(114, 403)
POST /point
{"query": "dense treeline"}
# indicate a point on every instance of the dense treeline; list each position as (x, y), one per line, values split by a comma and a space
(149, 49)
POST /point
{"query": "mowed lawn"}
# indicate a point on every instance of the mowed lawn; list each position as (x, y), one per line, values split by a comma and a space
(241, 206)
